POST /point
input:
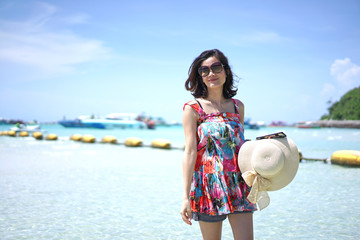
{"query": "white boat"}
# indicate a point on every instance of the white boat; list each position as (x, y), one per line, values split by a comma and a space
(116, 120)
(27, 128)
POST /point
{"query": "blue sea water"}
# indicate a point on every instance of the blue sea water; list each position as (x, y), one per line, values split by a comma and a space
(71, 190)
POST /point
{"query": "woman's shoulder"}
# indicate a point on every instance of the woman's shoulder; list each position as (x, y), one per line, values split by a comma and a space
(238, 102)
(191, 103)
(191, 110)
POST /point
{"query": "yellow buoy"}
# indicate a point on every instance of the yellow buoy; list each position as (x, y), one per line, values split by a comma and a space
(5, 133)
(76, 137)
(161, 143)
(88, 138)
(51, 136)
(23, 134)
(37, 135)
(109, 139)
(133, 142)
(346, 157)
(12, 133)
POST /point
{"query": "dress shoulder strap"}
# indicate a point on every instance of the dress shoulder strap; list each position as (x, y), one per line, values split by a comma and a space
(199, 104)
(196, 106)
(236, 106)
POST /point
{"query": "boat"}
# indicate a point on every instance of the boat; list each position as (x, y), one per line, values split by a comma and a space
(115, 120)
(250, 125)
(20, 127)
(277, 124)
(149, 121)
(308, 124)
(78, 123)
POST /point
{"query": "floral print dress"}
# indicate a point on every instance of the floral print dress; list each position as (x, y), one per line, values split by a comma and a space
(217, 186)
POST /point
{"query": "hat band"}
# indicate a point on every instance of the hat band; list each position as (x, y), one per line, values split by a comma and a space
(258, 185)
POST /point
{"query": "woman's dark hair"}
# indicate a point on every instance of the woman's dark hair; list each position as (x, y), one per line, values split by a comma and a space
(195, 84)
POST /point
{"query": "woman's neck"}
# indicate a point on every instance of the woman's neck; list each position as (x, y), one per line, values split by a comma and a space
(216, 96)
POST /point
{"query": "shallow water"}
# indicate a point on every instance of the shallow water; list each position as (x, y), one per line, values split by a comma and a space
(71, 190)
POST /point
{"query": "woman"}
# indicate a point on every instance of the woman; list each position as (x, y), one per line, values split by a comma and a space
(213, 123)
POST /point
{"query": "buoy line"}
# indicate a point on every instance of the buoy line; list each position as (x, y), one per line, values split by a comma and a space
(108, 139)
(342, 157)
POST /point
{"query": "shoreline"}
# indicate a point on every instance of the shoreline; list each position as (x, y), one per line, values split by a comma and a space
(338, 123)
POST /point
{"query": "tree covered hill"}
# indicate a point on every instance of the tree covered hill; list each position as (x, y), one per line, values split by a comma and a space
(348, 108)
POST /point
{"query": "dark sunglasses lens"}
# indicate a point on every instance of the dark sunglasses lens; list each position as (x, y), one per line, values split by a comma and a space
(204, 71)
(216, 67)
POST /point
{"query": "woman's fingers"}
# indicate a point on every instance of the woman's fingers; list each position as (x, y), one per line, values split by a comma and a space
(186, 216)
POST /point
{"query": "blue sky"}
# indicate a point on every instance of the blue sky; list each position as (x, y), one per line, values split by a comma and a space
(71, 58)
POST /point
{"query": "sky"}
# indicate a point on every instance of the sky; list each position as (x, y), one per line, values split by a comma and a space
(65, 58)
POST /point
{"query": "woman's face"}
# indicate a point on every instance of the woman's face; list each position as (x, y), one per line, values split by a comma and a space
(213, 80)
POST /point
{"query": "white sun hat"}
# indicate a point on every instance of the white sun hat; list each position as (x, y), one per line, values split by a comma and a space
(267, 165)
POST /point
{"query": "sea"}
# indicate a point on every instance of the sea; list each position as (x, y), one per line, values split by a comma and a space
(64, 189)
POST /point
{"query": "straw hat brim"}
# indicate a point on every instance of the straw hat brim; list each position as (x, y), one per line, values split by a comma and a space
(275, 159)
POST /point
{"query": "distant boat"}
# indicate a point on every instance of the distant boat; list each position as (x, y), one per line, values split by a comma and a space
(277, 124)
(307, 124)
(115, 120)
(250, 125)
(77, 123)
(28, 128)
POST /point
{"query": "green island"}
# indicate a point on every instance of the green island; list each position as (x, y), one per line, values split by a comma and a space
(347, 108)
(344, 113)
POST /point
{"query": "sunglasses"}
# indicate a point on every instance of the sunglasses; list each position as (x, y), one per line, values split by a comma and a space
(273, 135)
(215, 68)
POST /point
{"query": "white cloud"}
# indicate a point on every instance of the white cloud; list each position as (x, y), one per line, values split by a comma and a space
(50, 51)
(346, 73)
(31, 43)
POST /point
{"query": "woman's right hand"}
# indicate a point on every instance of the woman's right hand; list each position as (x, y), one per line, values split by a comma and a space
(186, 211)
